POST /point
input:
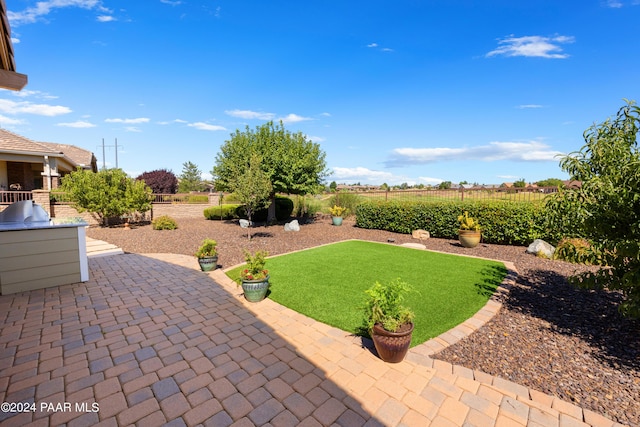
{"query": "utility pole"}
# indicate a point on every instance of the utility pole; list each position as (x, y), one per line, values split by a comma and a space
(104, 166)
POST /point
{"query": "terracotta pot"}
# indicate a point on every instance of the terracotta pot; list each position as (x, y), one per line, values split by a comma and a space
(392, 346)
(469, 238)
(255, 290)
(208, 263)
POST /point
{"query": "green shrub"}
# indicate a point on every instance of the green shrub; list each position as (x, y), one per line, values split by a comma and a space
(577, 250)
(502, 222)
(224, 212)
(164, 222)
(197, 198)
(284, 208)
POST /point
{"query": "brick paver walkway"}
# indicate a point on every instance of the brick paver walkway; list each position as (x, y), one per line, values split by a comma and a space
(151, 340)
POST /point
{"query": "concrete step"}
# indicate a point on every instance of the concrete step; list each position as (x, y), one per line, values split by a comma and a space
(98, 248)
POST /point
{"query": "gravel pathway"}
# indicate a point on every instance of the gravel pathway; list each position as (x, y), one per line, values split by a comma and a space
(549, 336)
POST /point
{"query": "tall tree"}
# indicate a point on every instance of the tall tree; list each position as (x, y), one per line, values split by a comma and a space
(293, 164)
(107, 193)
(606, 208)
(161, 181)
(190, 178)
(253, 188)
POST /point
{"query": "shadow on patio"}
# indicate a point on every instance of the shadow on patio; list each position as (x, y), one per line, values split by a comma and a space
(152, 342)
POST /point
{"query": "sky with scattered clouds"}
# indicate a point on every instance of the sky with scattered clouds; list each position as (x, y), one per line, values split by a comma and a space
(394, 92)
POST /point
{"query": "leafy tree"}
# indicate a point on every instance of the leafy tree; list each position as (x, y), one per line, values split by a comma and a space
(190, 178)
(550, 182)
(107, 193)
(333, 186)
(520, 183)
(384, 186)
(161, 181)
(444, 185)
(293, 164)
(253, 188)
(606, 208)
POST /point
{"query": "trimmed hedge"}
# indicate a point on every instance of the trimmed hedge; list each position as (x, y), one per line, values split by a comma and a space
(228, 211)
(502, 222)
(284, 207)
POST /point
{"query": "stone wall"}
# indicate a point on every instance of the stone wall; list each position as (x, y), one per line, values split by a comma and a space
(179, 210)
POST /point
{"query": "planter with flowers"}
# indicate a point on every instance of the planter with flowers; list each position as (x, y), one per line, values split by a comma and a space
(207, 255)
(336, 214)
(254, 277)
(469, 233)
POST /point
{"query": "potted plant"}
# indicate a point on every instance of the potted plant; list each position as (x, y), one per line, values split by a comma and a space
(255, 278)
(207, 255)
(469, 233)
(336, 214)
(388, 321)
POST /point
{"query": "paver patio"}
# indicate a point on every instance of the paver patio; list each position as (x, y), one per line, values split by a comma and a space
(151, 340)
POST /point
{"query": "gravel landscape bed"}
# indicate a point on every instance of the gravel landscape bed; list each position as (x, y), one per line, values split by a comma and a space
(549, 336)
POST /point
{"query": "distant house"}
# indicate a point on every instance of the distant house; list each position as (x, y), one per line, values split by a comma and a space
(29, 165)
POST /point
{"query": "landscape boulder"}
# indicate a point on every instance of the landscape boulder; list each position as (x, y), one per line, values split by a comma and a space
(541, 248)
(420, 234)
(245, 224)
(292, 226)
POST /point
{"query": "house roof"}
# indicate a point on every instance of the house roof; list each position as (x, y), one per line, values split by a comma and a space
(9, 78)
(12, 143)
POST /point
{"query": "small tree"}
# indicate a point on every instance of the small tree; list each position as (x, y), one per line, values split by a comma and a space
(253, 189)
(293, 164)
(161, 181)
(190, 178)
(108, 193)
(521, 183)
(606, 208)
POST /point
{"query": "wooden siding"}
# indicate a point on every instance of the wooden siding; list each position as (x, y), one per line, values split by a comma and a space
(35, 259)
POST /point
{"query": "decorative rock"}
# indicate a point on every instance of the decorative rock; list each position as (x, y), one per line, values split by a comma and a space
(420, 234)
(541, 248)
(244, 223)
(414, 245)
(292, 226)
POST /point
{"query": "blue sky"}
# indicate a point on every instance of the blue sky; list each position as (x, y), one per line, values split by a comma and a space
(407, 91)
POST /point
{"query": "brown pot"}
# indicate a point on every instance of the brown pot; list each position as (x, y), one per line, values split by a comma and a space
(392, 346)
(469, 238)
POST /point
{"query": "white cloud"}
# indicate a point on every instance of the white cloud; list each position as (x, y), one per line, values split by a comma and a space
(532, 46)
(24, 107)
(80, 124)
(15, 40)
(4, 120)
(171, 2)
(206, 126)
(172, 121)
(316, 138)
(128, 121)
(25, 93)
(249, 115)
(44, 8)
(378, 47)
(529, 106)
(132, 129)
(532, 151)
(105, 18)
(429, 180)
(294, 118)
(372, 45)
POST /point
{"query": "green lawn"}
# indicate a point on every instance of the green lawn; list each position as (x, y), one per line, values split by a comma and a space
(327, 283)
